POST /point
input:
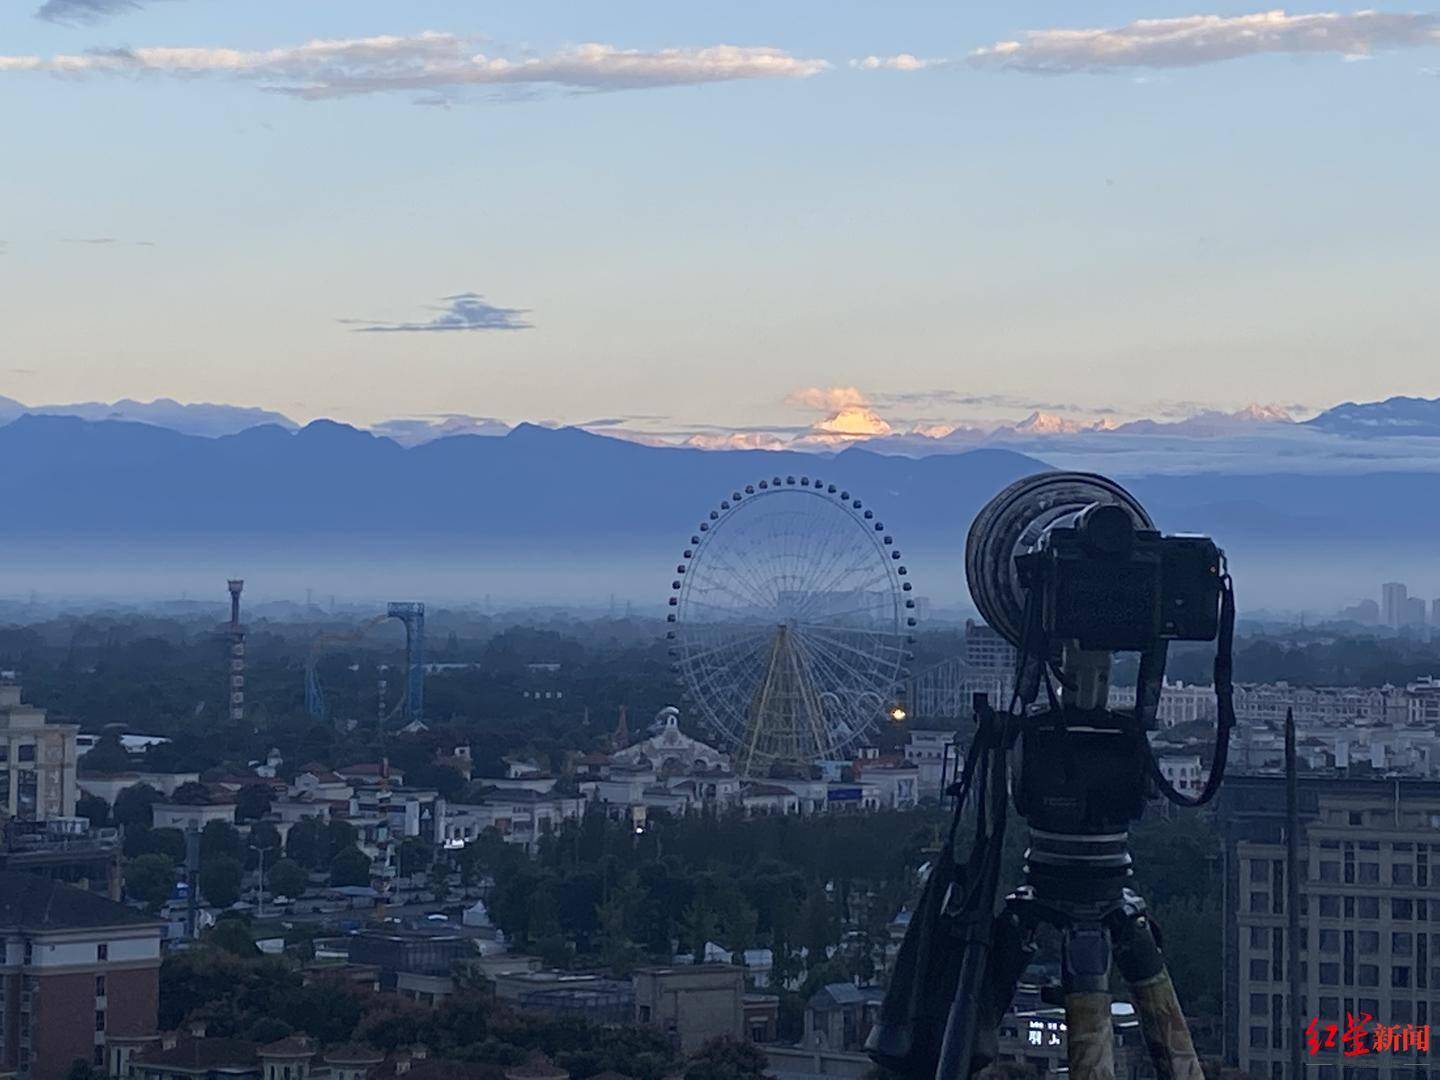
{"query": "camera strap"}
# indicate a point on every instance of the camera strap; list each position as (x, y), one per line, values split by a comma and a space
(1224, 702)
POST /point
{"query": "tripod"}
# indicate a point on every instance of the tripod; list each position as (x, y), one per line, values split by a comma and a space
(1093, 935)
(1076, 871)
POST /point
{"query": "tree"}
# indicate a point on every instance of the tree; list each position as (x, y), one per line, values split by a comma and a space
(132, 806)
(726, 1058)
(307, 843)
(191, 794)
(106, 756)
(287, 878)
(96, 809)
(251, 802)
(439, 880)
(447, 781)
(818, 925)
(235, 938)
(220, 880)
(150, 878)
(698, 926)
(220, 838)
(80, 1069)
(265, 837)
(350, 867)
(415, 855)
(469, 860)
(340, 835)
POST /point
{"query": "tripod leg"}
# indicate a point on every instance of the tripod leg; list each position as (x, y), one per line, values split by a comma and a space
(1089, 1036)
(1162, 1022)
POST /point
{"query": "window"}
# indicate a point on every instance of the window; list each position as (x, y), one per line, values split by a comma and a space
(1259, 901)
(1402, 874)
(1260, 971)
(1369, 873)
(98, 1059)
(1259, 1004)
(1259, 870)
(1357, 818)
(1400, 1011)
(1329, 871)
(1402, 943)
(1260, 937)
(1368, 942)
(1329, 1008)
(29, 953)
(1259, 1037)
(1329, 974)
(644, 1014)
(99, 1019)
(1329, 940)
(1369, 907)
(102, 951)
(99, 985)
(1368, 975)
(1330, 907)
(27, 752)
(1349, 907)
(1401, 908)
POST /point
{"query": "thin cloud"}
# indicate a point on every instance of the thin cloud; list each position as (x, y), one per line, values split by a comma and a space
(430, 62)
(78, 12)
(898, 62)
(106, 241)
(463, 311)
(1207, 39)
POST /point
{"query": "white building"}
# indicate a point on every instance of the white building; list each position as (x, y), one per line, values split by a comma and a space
(933, 754)
(37, 761)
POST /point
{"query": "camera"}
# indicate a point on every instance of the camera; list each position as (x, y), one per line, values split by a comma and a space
(1107, 585)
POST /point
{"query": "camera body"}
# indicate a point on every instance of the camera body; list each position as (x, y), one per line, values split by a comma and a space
(1110, 586)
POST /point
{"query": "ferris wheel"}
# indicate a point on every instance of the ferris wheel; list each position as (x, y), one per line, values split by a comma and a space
(790, 618)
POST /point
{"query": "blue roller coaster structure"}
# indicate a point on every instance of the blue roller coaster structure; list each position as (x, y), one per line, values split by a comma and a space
(413, 616)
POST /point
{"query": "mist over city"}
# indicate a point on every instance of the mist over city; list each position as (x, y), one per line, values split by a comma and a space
(644, 541)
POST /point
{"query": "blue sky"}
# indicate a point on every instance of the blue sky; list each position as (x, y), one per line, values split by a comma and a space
(1203, 222)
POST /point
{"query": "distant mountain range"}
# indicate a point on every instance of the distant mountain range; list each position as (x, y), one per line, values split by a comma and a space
(197, 419)
(553, 511)
(1392, 418)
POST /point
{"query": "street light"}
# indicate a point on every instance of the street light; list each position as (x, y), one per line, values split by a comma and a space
(260, 890)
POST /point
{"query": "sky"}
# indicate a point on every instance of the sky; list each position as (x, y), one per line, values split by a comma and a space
(716, 218)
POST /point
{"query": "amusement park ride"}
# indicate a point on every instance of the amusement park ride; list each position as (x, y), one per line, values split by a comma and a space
(790, 623)
(413, 703)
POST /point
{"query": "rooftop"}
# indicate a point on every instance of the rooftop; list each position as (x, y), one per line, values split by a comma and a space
(29, 902)
(192, 1053)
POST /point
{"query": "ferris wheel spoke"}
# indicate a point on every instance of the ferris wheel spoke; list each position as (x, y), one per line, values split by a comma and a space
(830, 548)
(840, 575)
(725, 579)
(851, 648)
(746, 643)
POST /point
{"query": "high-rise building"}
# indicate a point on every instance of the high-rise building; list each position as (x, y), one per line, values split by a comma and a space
(37, 761)
(1414, 611)
(1369, 907)
(79, 979)
(986, 649)
(1435, 612)
(1393, 595)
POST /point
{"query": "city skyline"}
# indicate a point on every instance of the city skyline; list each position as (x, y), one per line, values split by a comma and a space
(559, 215)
